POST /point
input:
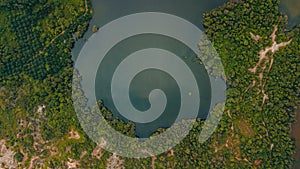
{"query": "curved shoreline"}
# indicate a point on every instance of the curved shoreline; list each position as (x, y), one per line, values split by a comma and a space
(295, 133)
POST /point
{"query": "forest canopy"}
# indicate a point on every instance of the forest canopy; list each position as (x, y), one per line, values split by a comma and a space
(39, 124)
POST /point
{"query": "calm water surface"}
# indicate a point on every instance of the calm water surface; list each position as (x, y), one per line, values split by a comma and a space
(292, 9)
(106, 11)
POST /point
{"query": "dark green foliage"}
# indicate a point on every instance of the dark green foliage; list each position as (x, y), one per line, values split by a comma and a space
(249, 131)
(19, 156)
(42, 43)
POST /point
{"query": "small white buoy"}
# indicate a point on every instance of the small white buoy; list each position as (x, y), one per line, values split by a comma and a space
(190, 93)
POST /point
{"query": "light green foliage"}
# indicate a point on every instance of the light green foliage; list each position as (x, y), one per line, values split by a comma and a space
(249, 135)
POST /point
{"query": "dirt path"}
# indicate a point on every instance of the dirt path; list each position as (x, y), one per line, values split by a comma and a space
(114, 162)
(263, 61)
(86, 7)
(25, 156)
(261, 67)
(32, 161)
(63, 32)
(52, 40)
(7, 156)
(152, 156)
(73, 135)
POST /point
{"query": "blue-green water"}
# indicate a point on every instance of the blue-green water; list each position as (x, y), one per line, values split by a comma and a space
(147, 80)
(292, 9)
(106, 11)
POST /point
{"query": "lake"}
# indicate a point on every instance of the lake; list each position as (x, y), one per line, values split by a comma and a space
(106, 11)
(292, 9)
(109, 10)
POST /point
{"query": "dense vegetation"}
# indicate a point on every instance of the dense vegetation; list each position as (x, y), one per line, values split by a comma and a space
(36, 70)
(38, 35)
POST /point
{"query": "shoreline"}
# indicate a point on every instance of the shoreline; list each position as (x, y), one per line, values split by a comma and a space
(295, 133)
